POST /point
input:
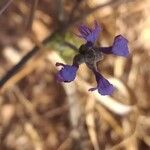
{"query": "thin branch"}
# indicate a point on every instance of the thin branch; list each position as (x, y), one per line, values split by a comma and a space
(5, 6)
(113, 3)
(32, 14)
(68, 44)
(24, 60)
(61, 12)
(74, 9)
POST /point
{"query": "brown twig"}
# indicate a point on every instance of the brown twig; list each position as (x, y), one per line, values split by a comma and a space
(68, 44)
(24, 60)
(32, 14)
(92, 10)
(74, 9)
(5, 6)
(90, 121)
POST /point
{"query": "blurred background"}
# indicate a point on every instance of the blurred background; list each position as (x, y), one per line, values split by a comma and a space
(37, 112)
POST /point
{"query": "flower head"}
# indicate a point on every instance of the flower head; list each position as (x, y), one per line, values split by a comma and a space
(91, 55)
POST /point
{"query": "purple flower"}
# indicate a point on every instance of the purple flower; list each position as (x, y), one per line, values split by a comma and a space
(89, 34)
(103, 85)
(90, 54)
(67, 73)
(119, 47)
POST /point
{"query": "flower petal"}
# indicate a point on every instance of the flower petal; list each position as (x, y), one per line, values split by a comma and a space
(89, 34)
(103, 85)
(67, 72)
(119, 47)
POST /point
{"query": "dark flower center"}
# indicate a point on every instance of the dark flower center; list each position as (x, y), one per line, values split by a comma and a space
(89, 53)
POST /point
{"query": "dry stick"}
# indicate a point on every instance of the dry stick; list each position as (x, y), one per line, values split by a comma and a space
(5, 6)
(61, 12)
(32, 65)
(90, 121)
(35, 119)
(32, 14)
(29, 129)
(34, 136)
(107, 116)
(68, 44)
(92, 10)
(24, 60)
(74, 9)
(56, 111)
(74, 134)
(141, 121)
(31, 108)
(126, 142)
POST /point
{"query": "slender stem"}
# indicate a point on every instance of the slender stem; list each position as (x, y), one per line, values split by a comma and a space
(5, 6)
(71, 46)
(24, 60)
(110, 3)
(32, 13)
(74, 9)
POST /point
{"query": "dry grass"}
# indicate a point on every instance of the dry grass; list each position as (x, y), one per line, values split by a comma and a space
(38, 113)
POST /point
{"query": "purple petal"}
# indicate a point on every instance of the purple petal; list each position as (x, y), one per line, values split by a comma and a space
(89, 34)
(120, 46)
(67, 72)
(84, 30)
(103, 85)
